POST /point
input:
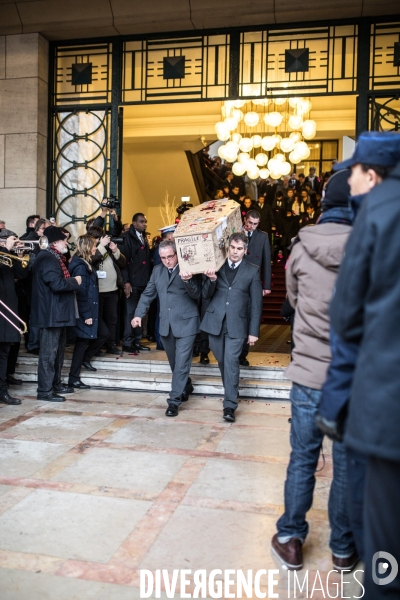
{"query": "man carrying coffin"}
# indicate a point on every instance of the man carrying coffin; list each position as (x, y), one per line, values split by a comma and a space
(178, 292)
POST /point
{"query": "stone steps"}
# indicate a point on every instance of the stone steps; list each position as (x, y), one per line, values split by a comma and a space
(146, 375)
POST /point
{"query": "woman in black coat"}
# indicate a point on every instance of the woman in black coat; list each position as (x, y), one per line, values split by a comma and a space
(89, 336)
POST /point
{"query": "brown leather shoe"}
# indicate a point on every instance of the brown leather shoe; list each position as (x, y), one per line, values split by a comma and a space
(290, 553)
(345, 564)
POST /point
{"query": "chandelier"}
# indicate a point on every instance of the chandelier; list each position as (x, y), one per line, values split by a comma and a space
(265, 137)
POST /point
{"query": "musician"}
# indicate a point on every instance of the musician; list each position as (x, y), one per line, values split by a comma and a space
(8, 334)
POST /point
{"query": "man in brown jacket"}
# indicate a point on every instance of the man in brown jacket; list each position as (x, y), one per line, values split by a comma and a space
(310, 280)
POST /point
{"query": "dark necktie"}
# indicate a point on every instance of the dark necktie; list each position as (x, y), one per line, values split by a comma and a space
(232, 267)
(170, 271)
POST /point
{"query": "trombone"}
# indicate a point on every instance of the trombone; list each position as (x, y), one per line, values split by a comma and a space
(24, 329)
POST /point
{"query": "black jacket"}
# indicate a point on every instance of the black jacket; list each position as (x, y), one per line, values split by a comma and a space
(53, 298)
(138, 259)
(9, 297)
(87, 296)
(114, 231)
(366, 311)
(258, 253)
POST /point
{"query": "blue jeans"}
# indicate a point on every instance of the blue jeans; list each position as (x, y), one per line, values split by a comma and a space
(306, 441)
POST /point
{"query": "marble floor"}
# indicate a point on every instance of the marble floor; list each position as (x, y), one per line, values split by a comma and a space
(97, 488)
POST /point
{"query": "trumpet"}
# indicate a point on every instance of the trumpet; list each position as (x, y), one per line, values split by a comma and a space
(24, 329)
(6, 259)
(29, 245)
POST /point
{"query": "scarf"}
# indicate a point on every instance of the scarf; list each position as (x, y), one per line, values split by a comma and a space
(338, 214)
(61, 259)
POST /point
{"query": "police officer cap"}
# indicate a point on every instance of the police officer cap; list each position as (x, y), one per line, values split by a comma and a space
(374, 148)
(168, 229)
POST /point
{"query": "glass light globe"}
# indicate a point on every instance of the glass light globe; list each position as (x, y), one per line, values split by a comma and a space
(279, 101)
(301, 149)
(275, 175)
(239, 103)
(295, 158)
(286, 167)
(264, 173)
(223, 136)
(251, 118)
(246, 144)
(236, 137)
(257, 139)
(293, 102)
(278, 139)
(231, 123)
(231, 156)
(287, 144)
(253, 173)
(226, 111)
(261, 159)
(309, 129)
(280, 157)
(307, 154)
(268, 143)
(273, 118)
(251, 164)
(261, 102)
(274, 165)
(243, 157)
(237, 114)
(238, 169)
(296, 136)
(222, 151)
(220, 126)
(229, 103)
(231, 147)
(295, 121)
(304, 106)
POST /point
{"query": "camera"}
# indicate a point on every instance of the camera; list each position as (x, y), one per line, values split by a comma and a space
(182, 208)
(111, 202)
(118, 240)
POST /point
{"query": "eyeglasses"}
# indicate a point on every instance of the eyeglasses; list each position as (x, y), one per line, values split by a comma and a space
(167, 257)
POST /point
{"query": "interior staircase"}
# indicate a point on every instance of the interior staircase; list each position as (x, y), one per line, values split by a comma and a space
(148, 374)
(272, 303)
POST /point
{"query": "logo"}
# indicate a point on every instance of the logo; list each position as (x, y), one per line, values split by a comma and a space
(384, 568)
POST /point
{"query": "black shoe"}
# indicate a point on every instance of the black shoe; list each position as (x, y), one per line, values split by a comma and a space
(196, 353)
(204, 360)
(189, 389)
(10, 379)
(6, 399)
(172, 411)
(139, 348)
(88, 366)
(79, 385)
(64, 389)
(114, 350)
(34, 351)
(243, 362)
(229, 415)
(51, 397)
(184, 397)
(151, 338)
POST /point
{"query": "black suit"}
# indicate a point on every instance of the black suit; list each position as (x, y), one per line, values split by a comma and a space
(137, 272)
(259, 253)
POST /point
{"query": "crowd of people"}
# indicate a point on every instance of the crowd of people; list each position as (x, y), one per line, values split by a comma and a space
(344, 313)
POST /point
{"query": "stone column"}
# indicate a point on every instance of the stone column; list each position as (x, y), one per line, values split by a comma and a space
(23, 128)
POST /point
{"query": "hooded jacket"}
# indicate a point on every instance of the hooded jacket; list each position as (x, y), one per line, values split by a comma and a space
(310, 278)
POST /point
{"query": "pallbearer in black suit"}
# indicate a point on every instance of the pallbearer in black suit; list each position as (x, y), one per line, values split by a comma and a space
(233, 315)
(258, 253)
(179, 319)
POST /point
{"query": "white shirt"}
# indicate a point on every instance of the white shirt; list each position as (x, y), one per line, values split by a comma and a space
(140, 236)
(234, 265)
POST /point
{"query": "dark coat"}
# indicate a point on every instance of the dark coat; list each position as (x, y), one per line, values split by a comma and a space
(366, 311)
(259, 253)
(115, 230)
(138, 259)
(290, 230)
(178, 302)
(87, 297)
(53, 298)
(8, 295)
(240, 303)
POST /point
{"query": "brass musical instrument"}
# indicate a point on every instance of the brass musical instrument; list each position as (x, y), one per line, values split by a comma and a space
(6, 259)
(24, 329)
(29, 245)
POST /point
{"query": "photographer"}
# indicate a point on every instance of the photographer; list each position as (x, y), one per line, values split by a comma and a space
(108, 260)
(108, 207)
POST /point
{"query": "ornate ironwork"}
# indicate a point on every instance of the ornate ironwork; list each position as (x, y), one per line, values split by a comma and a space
(80, 173)
(205, 75)
(71, 61)
(384, 72)
(385, 114)
(330, 68)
